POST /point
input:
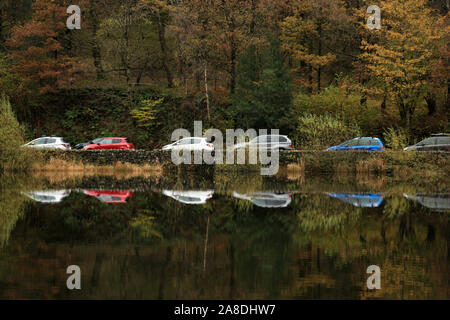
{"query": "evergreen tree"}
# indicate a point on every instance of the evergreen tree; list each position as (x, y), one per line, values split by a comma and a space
(263, 94)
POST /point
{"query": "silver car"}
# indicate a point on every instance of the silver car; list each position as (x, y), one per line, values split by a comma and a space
(267, 142)
(48, 143)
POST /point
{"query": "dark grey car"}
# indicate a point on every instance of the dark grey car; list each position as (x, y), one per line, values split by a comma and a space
(437, 142)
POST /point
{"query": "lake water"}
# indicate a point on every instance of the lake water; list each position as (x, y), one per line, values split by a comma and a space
(225, 238)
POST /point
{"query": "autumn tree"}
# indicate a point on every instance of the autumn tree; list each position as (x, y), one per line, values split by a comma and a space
(401, 54)
(37, 47)
(307, 33)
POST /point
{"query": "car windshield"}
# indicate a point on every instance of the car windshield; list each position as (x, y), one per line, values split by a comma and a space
(96, 140)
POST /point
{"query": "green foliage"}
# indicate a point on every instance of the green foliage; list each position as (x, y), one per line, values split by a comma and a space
(11, 155)
(263, 94)
(395, 139)
(318, 132)
(146, 114)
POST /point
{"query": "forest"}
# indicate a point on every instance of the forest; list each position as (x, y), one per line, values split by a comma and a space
(142, 68)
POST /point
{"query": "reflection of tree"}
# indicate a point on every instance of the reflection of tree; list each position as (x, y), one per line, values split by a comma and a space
(11, 208)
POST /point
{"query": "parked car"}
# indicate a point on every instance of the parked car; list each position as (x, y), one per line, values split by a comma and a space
(266, 199)
(109, 143)
(191, 143)
(110, 196)
(437, 142)
(267, 142)
(361, 144)
(83, 144)
(371, 200)
(48, 196)
(45, 142)
(190, 197)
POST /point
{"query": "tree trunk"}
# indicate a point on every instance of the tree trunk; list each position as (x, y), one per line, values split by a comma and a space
(207, 95)
(431, 104)
(233, 68)
(319, 69)
(95, 48)
(162, 43)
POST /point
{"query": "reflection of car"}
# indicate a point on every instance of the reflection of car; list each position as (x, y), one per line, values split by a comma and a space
(111, 143)
(360, 144)
(190, 197)
(48, 143)
(83, 144)
(267, 142)
(110, 196)
(48, 196)
(191, 143)
(438, 202)
(266, 199)
(360, 199)
(437, 142)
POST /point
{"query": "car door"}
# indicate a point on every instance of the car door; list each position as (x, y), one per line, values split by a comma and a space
(50, 143)
(262, 142)
(105, 144)
(117, 144)
(442, 144)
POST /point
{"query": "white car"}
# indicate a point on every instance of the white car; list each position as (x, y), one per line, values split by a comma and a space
(48, 143)
(267, 142)
(191, 143)
(190, 197)
(48, 196)
(266, 199)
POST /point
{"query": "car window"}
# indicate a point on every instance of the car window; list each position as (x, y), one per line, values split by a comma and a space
(374, 142)
(196, 141)
(96, 140)
(50, 141)
(443, 140)
(282, 139)
(40, 141)
(185, 141)
(428, 141)
(354, 143)
(261, 139)
(116, 140)
(106, 141)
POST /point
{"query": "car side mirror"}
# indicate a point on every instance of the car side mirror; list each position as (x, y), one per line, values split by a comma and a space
(98, 143)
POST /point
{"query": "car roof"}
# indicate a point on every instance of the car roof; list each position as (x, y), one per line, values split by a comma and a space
(54, 137)
(115, 138)
(440, 134)
(366, 138)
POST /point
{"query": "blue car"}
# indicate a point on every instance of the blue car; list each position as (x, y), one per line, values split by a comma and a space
(360, 144)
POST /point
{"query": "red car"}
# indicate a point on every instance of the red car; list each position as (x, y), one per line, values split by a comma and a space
(111, 143)
(109, 196)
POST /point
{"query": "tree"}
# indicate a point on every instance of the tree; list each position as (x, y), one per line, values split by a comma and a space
(401, 54)
(305, 34)
(263, 92)
(37, 47)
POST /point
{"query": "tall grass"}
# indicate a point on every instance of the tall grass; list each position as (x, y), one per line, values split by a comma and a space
(319, 132)
(12, 156)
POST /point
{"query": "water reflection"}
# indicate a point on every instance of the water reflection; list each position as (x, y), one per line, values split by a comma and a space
(250, 239)
(360, 199)
(266, 199)
(110, 196)
(48, 196)
(190, 196)
(437, 202)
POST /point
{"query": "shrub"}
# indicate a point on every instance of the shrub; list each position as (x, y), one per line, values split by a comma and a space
(321, 131)
(11, 155)
(395, 139)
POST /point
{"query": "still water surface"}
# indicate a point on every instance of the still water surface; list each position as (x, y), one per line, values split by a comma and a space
(236, 240)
